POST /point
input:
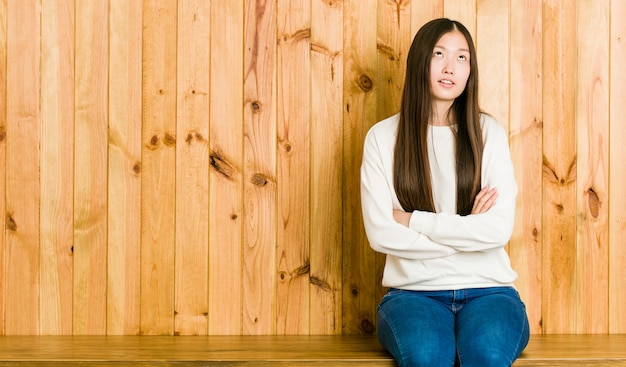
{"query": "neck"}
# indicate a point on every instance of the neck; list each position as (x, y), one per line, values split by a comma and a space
(442, 115)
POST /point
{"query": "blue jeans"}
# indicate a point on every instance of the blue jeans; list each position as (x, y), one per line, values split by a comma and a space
(469, 327)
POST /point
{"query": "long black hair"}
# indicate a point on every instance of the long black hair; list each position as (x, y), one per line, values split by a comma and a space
(412, 180)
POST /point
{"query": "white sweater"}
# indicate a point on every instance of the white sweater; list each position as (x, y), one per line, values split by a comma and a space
(442, 250)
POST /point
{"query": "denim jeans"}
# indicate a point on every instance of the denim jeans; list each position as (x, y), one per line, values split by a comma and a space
(481, 327)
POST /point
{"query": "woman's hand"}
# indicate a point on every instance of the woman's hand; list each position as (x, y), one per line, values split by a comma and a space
(485, 199)
(402, 217)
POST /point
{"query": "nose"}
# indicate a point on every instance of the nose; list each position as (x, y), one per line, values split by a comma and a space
(448, 68)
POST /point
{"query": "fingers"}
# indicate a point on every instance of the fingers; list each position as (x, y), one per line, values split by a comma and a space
(485, 200)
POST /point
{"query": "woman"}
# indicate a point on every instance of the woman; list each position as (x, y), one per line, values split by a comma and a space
(438, 196)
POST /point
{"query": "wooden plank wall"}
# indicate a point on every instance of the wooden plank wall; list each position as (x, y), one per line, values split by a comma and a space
(192, 167)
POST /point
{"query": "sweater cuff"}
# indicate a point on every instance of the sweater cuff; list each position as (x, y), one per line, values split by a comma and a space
(419, 222)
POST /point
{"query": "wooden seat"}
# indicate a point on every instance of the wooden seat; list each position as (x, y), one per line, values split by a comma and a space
(543, 350)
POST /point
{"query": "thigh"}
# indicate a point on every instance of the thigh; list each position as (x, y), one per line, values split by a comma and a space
(492, 329)
(416, 330)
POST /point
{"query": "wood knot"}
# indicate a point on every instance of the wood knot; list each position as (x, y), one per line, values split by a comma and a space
(3, 134)
(301, 270)
(154, 142)
(221, 165)
(137, 167)
(368, 327)
(320, 283)
(256, 106)
(594, 202)
(365, 82)
(194, 135)
(259, 180)
(11, 225)
(169, 140)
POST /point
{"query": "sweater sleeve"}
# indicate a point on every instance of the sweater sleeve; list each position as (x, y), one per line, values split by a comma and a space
(385, 235)
(485, 231)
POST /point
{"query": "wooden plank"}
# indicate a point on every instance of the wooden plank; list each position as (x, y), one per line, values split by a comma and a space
(574, 350)
(226, 160)
(259, 149)
(22, 251)
(293, 124)
(559, 166)
(592, 116)
(158, 168)
(424, 11)
(192, 175)
(394, 36)
(617, 174)
(195, 351)
(526, 127)
(326, 166)
(124, 169)
(90, 179)
(3, 157)
(330, 350)
(360, 279)
(57, 167)
(493, 48)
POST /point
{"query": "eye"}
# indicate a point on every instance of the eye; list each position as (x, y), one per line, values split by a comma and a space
(437, 54)
(463, 58)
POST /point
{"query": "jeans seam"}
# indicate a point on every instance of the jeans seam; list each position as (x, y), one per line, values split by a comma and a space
(395, 337)
(519, 339)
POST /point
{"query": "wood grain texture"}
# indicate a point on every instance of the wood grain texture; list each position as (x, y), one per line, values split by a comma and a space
(424, 11)
(158, 187)
(394, 35)
(90, 168)
(617, 195)
(259, 171)
(23, 130)
(592, 121)
(360, 275)
(493, 50)
(559, 167)
(293, 166)
(326, 165)
(226, 167)
(526, 128)
(124, 171)
(192, 169)
(329, 350)
(57, 167)
(3, 156)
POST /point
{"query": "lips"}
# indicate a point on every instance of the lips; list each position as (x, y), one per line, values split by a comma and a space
(446, 82)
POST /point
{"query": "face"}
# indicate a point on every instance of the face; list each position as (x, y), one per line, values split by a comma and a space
(449, 68)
